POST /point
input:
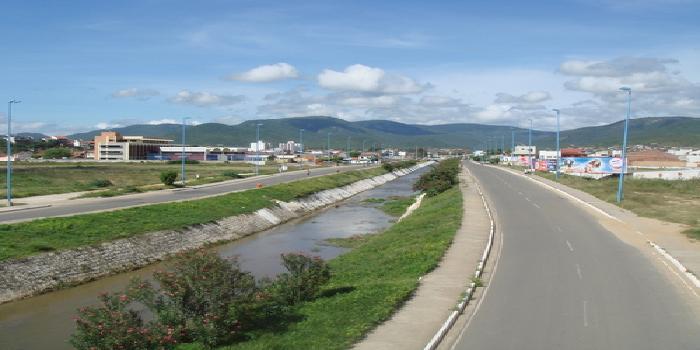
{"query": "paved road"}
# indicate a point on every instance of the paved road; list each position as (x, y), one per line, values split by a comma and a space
(564, 282)
(81, 206)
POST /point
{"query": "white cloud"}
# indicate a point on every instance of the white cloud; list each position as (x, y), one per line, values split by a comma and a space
(530, 97)
(362, 78)
(163, 121)
(267, 73)
(140, 94)
(205, 99)
(104, 125)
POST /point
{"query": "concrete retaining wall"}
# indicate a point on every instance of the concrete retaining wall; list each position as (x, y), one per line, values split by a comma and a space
(36, 274)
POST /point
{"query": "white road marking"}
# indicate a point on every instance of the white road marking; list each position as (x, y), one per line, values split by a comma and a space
(571, 248)
(559, 229)
(578, 271)
(527, 199)
(585, 314)
(538, 207)
(520, 193)
(640, 233)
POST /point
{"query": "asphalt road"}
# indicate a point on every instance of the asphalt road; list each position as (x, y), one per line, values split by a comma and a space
(563, 282)
(81, 206)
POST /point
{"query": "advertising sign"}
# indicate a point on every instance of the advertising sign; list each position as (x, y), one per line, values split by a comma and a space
(591, 165)
(546, 165)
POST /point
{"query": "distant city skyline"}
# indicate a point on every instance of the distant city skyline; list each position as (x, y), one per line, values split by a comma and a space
(101, 65)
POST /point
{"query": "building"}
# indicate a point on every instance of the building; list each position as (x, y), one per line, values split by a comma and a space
(522, 150)
(110, 145)
(573, 152)
(654, 159)
(548, 155)
(259, 146)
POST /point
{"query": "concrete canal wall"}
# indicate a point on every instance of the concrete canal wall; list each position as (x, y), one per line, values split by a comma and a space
(36, 274)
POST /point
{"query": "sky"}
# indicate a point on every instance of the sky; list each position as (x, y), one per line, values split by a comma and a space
(83, 65)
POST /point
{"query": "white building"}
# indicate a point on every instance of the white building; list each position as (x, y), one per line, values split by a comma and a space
(548, 155)
(257, 146)
(522, 150)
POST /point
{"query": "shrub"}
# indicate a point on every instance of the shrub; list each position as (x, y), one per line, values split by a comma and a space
(441, 178)
(111, 325)
(232, 174)
(187, 161)
(57, 153)
(304, 277)
(203, 295)
(101, 183)
(168, 177)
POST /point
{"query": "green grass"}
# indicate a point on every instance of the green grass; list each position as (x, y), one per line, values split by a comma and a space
(374, 200)
(42, 178)
(22, 239)
(370, 282)
(673, 201)
(397, 205)
(353, 241)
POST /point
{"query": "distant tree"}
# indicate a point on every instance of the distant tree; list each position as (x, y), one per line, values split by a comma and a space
(57, 153)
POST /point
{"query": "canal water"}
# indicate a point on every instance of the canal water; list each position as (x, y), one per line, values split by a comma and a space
(45, 321)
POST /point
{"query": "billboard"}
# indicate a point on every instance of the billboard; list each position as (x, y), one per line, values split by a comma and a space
(591, 165)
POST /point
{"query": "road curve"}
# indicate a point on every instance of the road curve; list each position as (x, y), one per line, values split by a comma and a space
(81, 206)
(564, 282)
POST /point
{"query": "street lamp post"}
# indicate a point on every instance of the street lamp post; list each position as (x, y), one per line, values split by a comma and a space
(9, 151)
(328, 145)
(182, 155)
(529, 146)
(257, 148)
(301, 140)
(620, 194)
(558, 150)
(512, 140)
(301, 146)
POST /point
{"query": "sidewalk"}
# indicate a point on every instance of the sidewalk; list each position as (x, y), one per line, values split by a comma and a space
(413, 326)
(666, 234)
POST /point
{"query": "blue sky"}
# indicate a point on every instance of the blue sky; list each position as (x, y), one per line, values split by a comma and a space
(83, 64)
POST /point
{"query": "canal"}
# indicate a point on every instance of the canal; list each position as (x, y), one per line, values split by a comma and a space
(46, 321)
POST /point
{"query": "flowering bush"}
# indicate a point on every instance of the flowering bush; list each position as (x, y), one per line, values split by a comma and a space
(304, 277)
(111, 325)
(201, 298)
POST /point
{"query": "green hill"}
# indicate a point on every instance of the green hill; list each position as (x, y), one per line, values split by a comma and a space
(668, 131)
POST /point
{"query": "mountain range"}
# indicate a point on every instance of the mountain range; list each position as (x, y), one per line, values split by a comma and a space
(665, 131)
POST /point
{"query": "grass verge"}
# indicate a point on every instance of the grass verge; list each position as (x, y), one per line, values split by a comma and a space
(397, 205)
(370, 282)
(674, 201)
(27, 238)
(43, 178)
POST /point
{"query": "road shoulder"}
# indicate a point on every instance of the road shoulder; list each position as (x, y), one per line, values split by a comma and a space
(415, 324)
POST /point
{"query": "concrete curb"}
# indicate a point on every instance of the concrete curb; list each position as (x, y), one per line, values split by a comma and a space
(412, 207)
(676, 263)
(658, 248)
(23, 207)
(447, 325)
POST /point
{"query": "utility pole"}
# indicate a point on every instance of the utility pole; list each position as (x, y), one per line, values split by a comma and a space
(558, 151)
(529, 146)
(9, 151)
(257, 148)
(620, 193)
(301, 146)
(183, 154)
